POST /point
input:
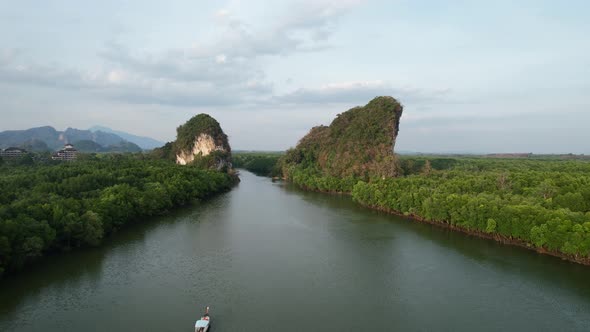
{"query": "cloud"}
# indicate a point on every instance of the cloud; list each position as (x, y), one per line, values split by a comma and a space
(359, 92)
(222, 13)
(183, 65)
(179, 81)
(239, 47)
(133, 86)
(12, 71)
(221, 58)
(229, 70)
(303, 27)
(115, 76)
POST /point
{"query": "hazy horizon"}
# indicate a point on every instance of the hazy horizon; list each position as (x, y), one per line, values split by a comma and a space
(473, 76)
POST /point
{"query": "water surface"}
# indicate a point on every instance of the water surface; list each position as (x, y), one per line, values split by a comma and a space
(268, 257)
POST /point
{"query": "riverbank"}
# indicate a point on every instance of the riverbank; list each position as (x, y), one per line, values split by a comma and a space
(541, 205)
(471, 232)
(47, 209)
(473, 203)
(494, 237)
(447, 225)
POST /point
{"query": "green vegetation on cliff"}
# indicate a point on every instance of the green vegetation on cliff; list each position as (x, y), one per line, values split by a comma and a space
(201, 133)
(197, 125)
(165, 152)
(48, 208)
(358, 145)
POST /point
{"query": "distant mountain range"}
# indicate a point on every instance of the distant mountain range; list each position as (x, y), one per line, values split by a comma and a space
(48, 139)
(146, 143)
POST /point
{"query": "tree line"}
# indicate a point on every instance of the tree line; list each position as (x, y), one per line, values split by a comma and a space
(56, 207)
(259, 163)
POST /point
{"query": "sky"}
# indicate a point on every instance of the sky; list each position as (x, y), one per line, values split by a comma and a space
(473, 76)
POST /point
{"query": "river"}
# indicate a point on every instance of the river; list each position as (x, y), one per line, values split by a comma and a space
(269, 257)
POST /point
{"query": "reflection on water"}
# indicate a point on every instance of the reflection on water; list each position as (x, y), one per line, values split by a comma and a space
(300, 259)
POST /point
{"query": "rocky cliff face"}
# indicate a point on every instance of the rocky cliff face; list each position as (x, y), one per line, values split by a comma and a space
(202, 142)
(359, 143)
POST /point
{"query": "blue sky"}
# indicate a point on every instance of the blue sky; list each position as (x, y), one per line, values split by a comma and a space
(474, 76)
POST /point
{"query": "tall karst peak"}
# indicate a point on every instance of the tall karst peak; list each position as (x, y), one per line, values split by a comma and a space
(358, 143)
(201, 140)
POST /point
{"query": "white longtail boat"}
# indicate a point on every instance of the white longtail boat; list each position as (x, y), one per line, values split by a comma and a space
(203, 324)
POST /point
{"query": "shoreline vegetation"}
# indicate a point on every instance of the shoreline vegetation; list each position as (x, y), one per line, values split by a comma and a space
(540, 204)
(483, 235)
(259, 163)
(51, 208)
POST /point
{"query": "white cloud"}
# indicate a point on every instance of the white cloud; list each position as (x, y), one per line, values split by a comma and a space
(115, 76)
(193, 76)
(362, 91)
(183, 80)
(221, 58)
(222, 13)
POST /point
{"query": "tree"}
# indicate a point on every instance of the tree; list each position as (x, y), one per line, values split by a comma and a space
(547, 189)
(25, 160)
(491, 226)
(503, 181)
(91, 230)
(427, 169)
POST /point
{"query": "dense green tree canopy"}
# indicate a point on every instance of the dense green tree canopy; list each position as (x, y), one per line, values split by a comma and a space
(46, 208)
(260, 163)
